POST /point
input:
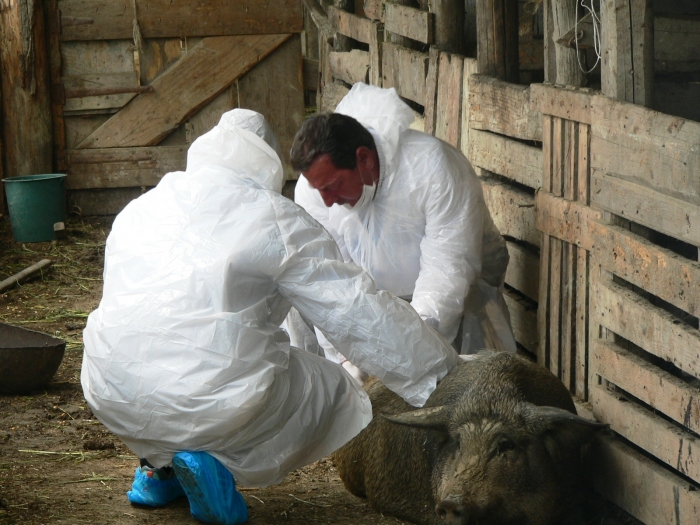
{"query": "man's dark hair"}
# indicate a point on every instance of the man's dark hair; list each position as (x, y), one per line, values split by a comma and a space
(330, 133)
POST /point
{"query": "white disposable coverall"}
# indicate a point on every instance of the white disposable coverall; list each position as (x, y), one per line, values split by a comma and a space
(185, 352)
(427, 236)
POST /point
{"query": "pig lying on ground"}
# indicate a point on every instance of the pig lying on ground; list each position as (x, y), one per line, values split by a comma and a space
(498, 442)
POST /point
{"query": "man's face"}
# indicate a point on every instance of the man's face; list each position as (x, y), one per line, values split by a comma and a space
(336, 185)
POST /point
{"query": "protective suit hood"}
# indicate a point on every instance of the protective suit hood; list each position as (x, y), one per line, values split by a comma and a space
(242, 143)
(381, 110)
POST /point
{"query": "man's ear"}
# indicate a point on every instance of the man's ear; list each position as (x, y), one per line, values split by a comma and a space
(365, 158)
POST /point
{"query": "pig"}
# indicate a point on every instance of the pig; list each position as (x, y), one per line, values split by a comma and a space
(498, 443)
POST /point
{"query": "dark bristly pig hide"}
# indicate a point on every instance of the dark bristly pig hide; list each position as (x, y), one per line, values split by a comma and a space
(497, 443)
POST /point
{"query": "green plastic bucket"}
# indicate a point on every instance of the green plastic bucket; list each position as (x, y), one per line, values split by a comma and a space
(36, 203)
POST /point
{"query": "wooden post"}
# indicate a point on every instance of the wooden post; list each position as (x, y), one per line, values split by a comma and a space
(402, 40)
(563, 17)
(497, 42)
(25, 128)
(449, 25)
(343, 43)
(550, 56)
(627, 48)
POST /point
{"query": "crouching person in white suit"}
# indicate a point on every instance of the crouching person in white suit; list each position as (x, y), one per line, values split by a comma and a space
(184, 358)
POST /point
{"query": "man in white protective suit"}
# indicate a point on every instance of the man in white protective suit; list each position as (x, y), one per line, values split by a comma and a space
(184, 358)
(409, 209)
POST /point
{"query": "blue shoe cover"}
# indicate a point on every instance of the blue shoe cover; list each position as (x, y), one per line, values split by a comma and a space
(153, 492)
(210, 488)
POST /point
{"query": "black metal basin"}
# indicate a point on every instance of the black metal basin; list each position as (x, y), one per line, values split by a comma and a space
(28, 359)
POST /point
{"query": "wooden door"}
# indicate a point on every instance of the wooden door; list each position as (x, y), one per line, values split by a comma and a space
(135, 82)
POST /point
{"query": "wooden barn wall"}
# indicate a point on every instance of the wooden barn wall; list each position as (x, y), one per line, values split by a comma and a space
(599, 202)
(134, 84)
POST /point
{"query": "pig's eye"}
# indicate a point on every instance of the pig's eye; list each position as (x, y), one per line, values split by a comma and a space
(504, 445)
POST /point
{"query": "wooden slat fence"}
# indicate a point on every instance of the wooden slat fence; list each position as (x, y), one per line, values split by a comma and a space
(620, 290)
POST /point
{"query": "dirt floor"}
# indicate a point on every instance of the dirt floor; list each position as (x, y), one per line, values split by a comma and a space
(58, 464)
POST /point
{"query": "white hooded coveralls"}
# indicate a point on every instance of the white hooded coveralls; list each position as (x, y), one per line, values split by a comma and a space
(427, 235)
(185, 352)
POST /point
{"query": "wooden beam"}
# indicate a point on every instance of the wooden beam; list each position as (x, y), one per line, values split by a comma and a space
(523, 271)
(567, 103)
(449, 25)
(410, 22)
(523, 319)
(675, 217)
(376, 42)
(448, 116)
(643, 488)
(431, 90)
(662, 439)
(196, 78)
(405, 70)
(470, 67)
(627, 42)
(659, 271)
(497, 39)
(564, 16)
(564, 219)
(83, 92)
(506, 157)
(123, 167)
(333, 93)
(512, 210)
(25, 126)
(311, 79)
(503, 108)
(351, 25)
(661, 151)
(374, 9)
(114, 19)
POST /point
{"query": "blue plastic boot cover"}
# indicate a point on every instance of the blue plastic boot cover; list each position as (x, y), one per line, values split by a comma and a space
(153, 492)
(211, 489)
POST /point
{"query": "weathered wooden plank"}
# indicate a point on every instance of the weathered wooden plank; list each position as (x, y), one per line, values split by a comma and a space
(503, 108)
(94, 58)
(351, 25)
(350, 67)
(513, 211)
(523, 319)
(102, 202)
(661, 333)
(374, 9)
(431, 90)
(195, 79)
(674, 217)
(676, 44)
(660, 390)
(641, 487)
(449, 98)
(55, 66)
(543, 309)
(375, 54)
(664, 440)
(506, 157)
(113, 19)
(410, 22)
(405, 70)
(470, 67)
(274, 88)
(567, 103)
(523, 271)
(122, 167)
(659, 150)
(25, 105)
(564, 219)
(582, 270)
(659, 271)
(84, 83)
(556, 254)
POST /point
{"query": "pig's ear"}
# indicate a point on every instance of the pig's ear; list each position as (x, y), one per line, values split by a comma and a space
(435, 418)
(568, 430)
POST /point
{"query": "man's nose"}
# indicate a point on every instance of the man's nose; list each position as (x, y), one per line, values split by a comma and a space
(328, 199)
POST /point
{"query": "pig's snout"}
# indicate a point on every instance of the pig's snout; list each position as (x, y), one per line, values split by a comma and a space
(453, 512)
